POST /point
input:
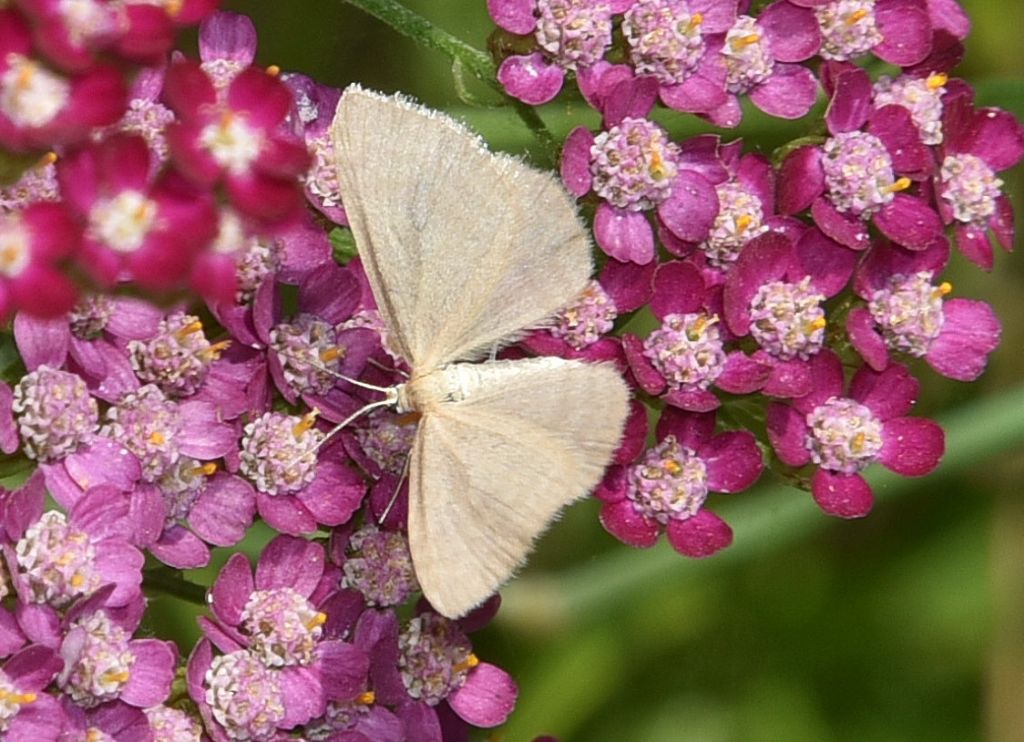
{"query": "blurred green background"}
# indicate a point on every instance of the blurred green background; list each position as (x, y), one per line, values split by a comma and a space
(908, 625)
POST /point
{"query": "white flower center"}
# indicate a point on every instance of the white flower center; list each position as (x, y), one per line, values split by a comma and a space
(123, 222)
(31, 96)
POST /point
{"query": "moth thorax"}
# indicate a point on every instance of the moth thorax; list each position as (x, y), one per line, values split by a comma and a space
(452, 383)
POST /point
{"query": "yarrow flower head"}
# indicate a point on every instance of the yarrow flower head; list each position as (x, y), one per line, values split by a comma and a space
(55, 413)
(841, 434)
(570, 35)
(378, 564)
(633, 167)
(908, 311)
(666, 488)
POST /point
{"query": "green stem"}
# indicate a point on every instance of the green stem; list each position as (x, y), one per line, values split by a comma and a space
(771, 518)
(469, 58)
(170, 582)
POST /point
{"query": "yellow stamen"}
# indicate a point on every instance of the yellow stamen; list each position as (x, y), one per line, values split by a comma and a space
(93, 735)
(657, 168)
(366, 698)
(695, 20)
(900, 185)
(855, 16)
(24, 698)
(116, 677)
(318, 620)
(9, 255)
(77, 580)
(48, 159)
(25, 74)
(671, 466)
(743, 42)
(189, 329)
(173, 7)
(818, 324)
(944, 288)
(743, 222)
(207, 470)
(858, 442)
(273, 70)
(467, 664)
(304, 424)
(157, 438)
(331, 354)
(214, 351)
(936, 80)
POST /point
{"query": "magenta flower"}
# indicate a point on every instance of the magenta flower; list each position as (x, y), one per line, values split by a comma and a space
(678, 43)
(149, 231)
(274, 622)
(34, 243)
(235, 137)
(746, 210)
(74, 36)
(772, 296)
(315, 105)
(858, 176)
(684, 357)
(907, 312)
(40, 108)
(227, 46)
(758, 56)
(841, 435)
(634, 168)
(978, 144)
(294, 489)
(103, 663)
(666, 489)
(57, 559)
(30, 714)
(582, 329)
(896, 31)
(569, 35)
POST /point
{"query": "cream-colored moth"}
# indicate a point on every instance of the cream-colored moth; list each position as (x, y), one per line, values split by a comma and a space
(465, 249)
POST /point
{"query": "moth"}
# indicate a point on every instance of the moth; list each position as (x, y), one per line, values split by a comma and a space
(464, 251)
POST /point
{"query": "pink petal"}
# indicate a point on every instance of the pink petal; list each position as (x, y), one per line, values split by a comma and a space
(575, 163)
(487, 697)
(906, 32)
(691, 209)
(646, 375)
(149, 682)
(530, 78)
(792, 31)
(292, 562)
(742, 374)
(224, 510)
(842, 495)
(829, 264)
(678, 289)
(970, 331)
(860, 327)
(787, 431)
(789, 93)
(843, 227)
(700, 536)
(42, 341)
(624, 235)
(975, 245)
(912, 446)
(180, 548)
(622, 521)
(850, 105)
(889, 393)
(515, 16)
(733, 461)
(629, 285)
(801, 179)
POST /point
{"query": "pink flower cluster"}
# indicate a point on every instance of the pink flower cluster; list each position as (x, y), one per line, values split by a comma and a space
(788, 295)
(757, 273)
(160, 183)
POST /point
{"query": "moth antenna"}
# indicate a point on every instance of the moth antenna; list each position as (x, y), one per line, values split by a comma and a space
(335, 374)
(382, 367)
(394, 495)
(493, 355)
(390, 399)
